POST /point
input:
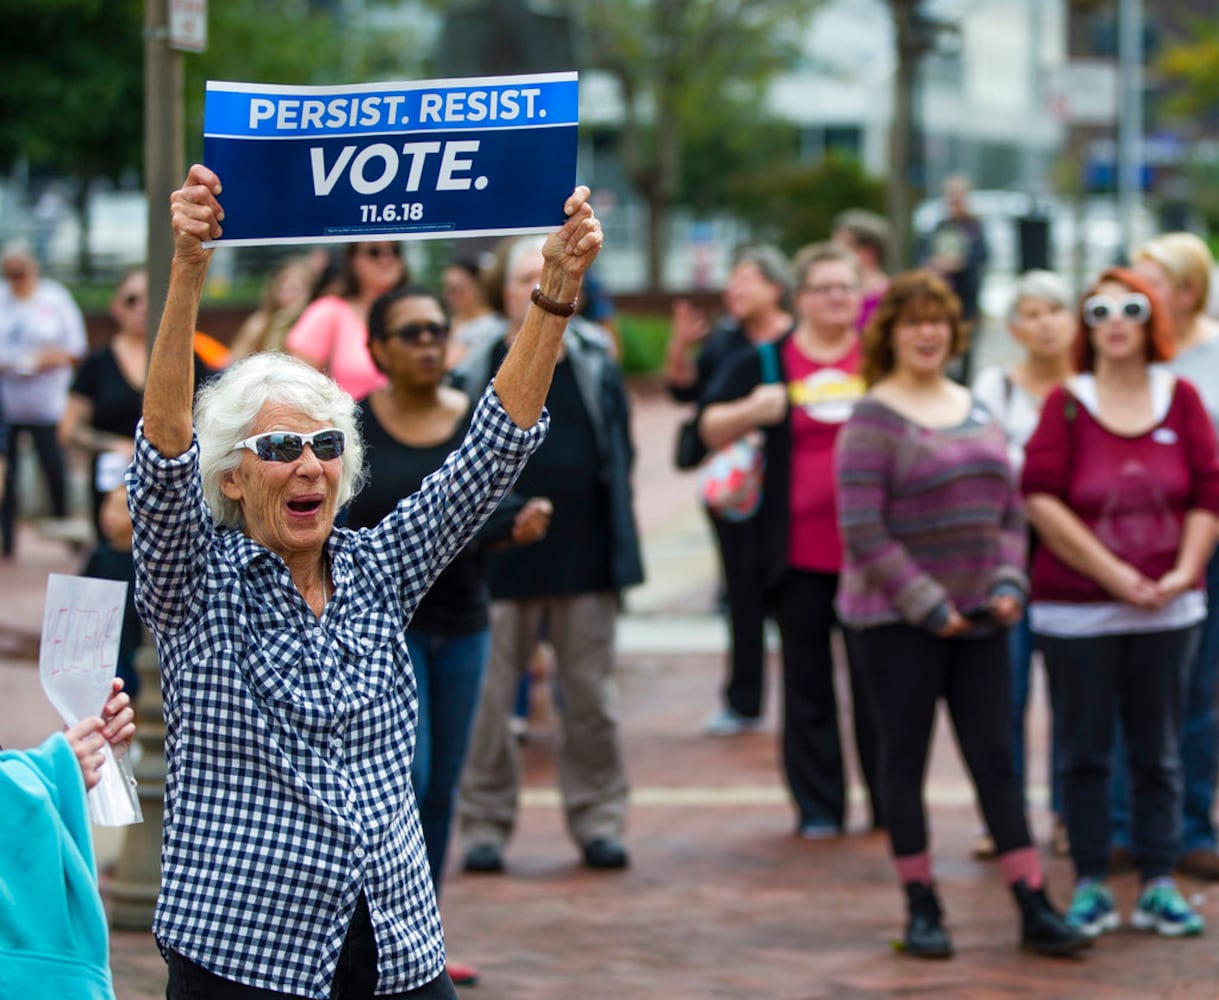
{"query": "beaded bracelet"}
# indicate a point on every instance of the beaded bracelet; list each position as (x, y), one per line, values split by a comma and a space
(553, 306)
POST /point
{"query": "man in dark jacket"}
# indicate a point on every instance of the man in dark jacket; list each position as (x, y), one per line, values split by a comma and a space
(565, 587)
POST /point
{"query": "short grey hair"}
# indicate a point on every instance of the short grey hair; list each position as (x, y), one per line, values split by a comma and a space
(771, 261)
(525, 246)
(1038, 284)
(228, 405)
(818, 253)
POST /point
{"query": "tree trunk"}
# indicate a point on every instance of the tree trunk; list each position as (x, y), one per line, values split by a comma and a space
(898, 188)
(658, 230)
(84, 259)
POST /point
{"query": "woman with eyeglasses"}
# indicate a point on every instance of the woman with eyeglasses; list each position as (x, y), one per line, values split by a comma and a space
(332, 332)
(293, 859)
(108, 391)
(799, 546)
(410, 427)
(1121, 481)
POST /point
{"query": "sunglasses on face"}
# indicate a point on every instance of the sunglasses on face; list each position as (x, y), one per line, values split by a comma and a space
(376, 252)
(412, 333)
(1134, 307)
(288, 446)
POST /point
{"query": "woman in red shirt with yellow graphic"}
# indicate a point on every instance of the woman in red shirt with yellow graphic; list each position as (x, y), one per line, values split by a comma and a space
(801, 551)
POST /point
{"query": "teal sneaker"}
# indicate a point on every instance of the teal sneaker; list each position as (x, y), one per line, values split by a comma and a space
(1161, 908)
(1092, 911)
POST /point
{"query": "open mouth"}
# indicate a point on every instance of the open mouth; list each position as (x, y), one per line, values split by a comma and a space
(309, 506)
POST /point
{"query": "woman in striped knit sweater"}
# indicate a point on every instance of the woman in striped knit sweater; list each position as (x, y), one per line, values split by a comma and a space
(933, 576)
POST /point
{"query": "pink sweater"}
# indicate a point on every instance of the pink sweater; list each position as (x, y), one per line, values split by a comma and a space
(1132, 492)
(332, 336)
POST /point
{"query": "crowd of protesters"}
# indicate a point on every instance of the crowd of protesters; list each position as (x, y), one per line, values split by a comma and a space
(1062, 509)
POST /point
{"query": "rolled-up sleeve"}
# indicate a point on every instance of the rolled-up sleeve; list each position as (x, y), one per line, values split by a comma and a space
(171, 533)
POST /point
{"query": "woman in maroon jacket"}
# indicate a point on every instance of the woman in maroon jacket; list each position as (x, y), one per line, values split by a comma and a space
(1122, 484)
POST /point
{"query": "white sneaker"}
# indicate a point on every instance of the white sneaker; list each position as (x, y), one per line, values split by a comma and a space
(730, 722)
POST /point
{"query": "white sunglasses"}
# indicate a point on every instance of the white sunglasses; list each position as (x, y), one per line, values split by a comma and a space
(288, 446)
(1100, 309)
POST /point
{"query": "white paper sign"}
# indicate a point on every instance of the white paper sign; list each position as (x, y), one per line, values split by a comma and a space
(81, 627)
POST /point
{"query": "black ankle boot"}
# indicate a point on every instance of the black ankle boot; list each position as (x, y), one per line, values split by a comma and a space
(925, 934)
(1042, 928)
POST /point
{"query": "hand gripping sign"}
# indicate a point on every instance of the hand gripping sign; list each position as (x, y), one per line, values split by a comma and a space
(440, 158)
(76, 661)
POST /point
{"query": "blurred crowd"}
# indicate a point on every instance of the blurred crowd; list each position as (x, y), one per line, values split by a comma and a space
(936, 531)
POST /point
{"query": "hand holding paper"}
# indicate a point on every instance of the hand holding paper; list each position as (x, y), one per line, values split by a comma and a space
(80, 635)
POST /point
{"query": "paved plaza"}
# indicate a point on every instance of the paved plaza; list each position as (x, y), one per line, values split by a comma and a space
(722, 899)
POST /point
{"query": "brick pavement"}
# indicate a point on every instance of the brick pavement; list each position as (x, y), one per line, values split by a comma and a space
(722, 900)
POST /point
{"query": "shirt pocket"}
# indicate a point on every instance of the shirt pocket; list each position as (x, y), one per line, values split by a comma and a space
(376, 665)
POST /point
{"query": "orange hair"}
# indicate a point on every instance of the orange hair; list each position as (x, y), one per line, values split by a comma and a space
(1160, 344)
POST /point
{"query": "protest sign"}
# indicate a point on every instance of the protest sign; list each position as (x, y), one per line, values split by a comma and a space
(76, 662)
(481, 156)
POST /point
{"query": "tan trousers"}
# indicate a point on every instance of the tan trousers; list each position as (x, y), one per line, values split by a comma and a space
(592, 779)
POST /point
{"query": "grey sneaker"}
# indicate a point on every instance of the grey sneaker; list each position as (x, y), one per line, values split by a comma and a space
(730, 722)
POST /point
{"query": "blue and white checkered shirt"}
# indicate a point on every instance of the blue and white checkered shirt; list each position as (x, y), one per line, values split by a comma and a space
(289, 738)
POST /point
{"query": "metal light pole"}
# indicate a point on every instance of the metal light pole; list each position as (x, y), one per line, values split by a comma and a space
(133, 893)
(1130, 117)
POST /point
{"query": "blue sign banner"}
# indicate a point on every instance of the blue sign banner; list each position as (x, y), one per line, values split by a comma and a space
(442, 158)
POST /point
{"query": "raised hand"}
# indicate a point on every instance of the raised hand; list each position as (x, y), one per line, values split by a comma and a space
(195, 213)
(576, 244)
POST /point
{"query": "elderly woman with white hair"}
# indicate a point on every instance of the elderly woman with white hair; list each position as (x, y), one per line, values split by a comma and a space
(1041, 321)
(292, 859)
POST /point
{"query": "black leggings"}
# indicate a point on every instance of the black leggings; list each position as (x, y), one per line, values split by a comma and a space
(812, 748)
(908, 671)
(51, 460)
(739, 544)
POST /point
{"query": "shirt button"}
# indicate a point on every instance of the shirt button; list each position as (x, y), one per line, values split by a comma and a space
(336, 742)
(317, 633)
(359, 853)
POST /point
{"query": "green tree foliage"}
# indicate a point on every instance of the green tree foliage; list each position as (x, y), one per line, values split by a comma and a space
(289, 42)
(1193, 65)
(70, 91)
(685, 67)
(792, 204)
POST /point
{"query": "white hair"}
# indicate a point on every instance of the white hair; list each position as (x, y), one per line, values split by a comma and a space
(228, 405)
(1045, 286)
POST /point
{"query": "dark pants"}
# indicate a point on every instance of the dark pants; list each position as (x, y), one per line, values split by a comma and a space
(354, 979)
(1199, 740)
(739, 544)
(1021, 646)
(812, 747)
(50, 460)
(1140, 678)
(908, 671)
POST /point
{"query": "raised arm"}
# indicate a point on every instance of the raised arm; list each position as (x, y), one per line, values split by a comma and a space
(196, 216)
(524, 378)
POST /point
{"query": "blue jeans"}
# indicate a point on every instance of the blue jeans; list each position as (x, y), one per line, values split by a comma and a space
(1021, 645)
(449, 673)
(1199, 741)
